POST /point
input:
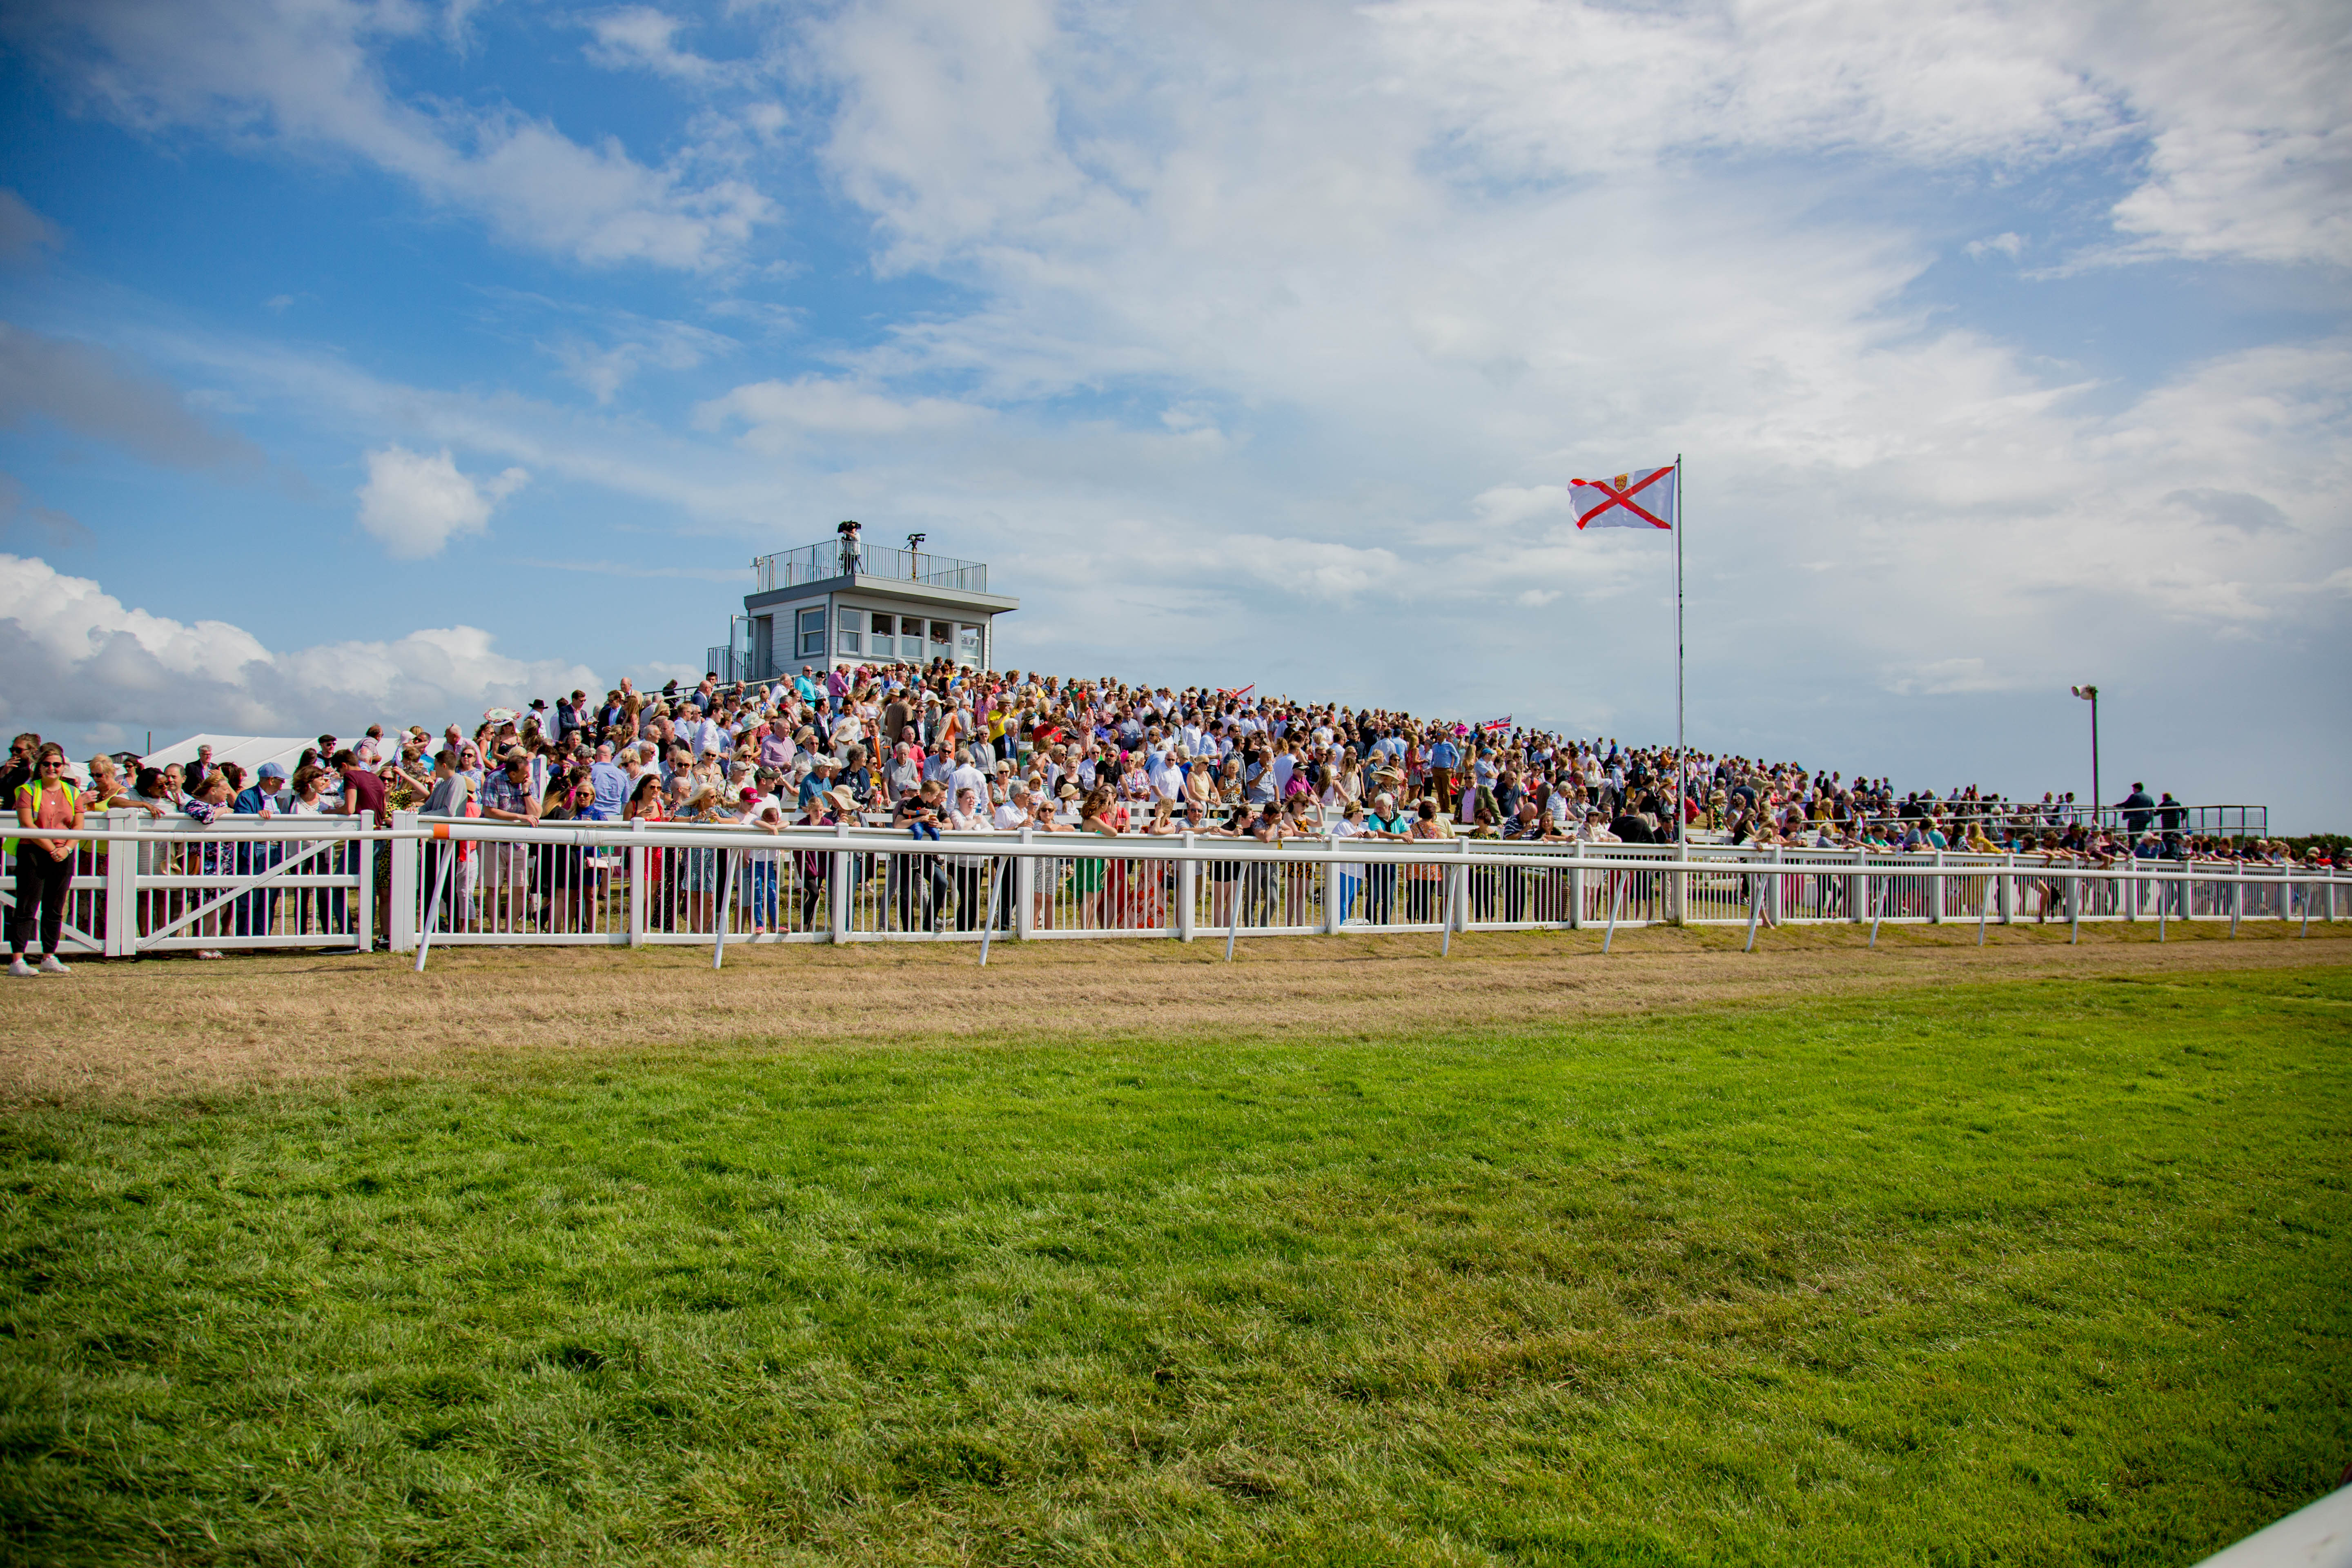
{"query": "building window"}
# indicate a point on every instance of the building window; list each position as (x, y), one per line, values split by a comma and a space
(968, 639)
(812, 641)
(886, 632)
(847, 640)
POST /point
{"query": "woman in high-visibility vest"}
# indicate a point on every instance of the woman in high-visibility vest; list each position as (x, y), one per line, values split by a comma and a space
(45, 866)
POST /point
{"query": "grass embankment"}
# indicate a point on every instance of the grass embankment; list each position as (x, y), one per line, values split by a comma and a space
(2048, 1272)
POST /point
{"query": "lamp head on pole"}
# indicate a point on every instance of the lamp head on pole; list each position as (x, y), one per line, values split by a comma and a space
(2087, 693)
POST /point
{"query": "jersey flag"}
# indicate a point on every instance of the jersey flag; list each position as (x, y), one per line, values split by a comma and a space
(1642, 499)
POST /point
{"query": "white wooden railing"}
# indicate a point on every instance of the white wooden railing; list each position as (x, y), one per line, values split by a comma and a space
(160, 885)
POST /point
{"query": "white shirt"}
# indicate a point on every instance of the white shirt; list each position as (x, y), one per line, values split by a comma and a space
(967, 777)
(1340, 827)
(1011, 818)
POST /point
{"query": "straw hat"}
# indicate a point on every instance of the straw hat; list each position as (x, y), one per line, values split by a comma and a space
(841, 798)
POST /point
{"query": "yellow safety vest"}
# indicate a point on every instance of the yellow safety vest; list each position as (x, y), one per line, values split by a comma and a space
(71, 796)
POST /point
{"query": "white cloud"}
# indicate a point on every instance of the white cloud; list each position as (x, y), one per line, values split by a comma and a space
(302, 76)
(629, 345)
(641, 37)
(416, 504)
(1948, 676)
(78, 659)
(778, 413)
(1274, 333)
(2250, 152)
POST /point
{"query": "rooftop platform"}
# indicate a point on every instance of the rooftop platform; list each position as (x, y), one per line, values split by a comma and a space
(836, 559)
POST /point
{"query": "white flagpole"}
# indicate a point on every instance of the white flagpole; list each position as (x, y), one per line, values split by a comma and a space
(1682, 768)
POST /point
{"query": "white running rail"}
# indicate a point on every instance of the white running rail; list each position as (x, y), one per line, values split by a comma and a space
(145, 885)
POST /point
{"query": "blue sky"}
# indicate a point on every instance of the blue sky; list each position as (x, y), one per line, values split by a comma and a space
(385, 361)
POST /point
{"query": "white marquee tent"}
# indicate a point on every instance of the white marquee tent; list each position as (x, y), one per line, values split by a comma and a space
(248, 751)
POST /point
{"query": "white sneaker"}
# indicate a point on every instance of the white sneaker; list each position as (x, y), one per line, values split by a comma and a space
(19, 968)
(52, 965)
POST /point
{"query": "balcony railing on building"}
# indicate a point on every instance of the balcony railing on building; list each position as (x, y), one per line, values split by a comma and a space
(838, 558)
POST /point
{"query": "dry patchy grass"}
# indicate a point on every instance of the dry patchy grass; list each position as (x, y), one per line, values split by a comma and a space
(178, 1026)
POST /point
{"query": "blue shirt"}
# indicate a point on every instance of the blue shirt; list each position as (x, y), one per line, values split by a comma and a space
(611, 786)
(1444, 756)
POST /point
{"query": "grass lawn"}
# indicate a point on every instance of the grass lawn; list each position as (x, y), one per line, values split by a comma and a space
(2047, 1272)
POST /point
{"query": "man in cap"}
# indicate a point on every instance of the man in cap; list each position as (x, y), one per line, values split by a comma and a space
(260, 799)
(818, 780)
(1384, 821)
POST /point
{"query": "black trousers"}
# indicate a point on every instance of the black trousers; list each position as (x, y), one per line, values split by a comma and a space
(41, 884)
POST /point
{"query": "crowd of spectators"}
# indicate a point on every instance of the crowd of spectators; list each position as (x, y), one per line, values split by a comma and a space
(911, 746)
(945, 748)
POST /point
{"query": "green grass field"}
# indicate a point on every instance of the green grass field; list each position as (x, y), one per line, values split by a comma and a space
(2035, 1273)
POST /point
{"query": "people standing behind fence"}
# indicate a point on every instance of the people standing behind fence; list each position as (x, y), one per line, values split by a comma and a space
(45, 866)
(858, 743)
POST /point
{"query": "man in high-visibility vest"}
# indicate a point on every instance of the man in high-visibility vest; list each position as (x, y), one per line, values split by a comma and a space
(45, 866)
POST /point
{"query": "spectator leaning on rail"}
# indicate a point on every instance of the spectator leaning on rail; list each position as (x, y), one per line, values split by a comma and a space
(45, 866)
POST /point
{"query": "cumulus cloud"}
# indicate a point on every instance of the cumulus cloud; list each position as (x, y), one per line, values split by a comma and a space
(78, 659)
(96, 392)
(303, 76)
(415, 504)
(1274, 331)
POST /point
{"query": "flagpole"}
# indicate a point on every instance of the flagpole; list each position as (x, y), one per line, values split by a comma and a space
(1682, 768)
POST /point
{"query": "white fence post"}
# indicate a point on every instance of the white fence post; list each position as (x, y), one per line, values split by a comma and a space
(121, 937)
(406, 855)
(1024, 891)
(1576, 886)
(1936, 904)
(838, 910)
(640, 900)
(1332, 911)
(365, 859)
(1776, 887)
(1187, 887)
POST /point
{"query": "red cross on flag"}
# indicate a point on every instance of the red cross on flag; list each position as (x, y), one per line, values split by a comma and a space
(1642, 499)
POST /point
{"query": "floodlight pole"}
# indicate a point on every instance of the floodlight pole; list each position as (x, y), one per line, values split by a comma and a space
(2090, 694)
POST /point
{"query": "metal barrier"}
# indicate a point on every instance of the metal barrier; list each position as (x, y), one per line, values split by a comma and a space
(144, 885)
